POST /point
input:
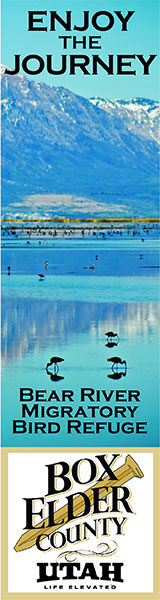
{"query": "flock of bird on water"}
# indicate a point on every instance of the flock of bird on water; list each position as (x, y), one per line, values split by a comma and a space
(87, 267)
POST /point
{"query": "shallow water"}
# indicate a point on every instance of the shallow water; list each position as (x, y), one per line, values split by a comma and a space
(67, 315)
(71, 257)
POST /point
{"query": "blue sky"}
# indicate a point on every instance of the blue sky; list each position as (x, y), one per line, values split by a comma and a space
(141, 38)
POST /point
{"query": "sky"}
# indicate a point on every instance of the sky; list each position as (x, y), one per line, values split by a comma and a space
(141, 38)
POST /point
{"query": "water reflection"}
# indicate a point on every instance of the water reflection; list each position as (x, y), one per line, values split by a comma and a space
(31, 325)
(67, 315)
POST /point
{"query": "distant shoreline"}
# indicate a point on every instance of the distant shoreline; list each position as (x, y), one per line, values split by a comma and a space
(81, 229)
(85, 221)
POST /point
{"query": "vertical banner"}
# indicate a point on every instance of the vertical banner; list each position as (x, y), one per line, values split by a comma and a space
(80, 299)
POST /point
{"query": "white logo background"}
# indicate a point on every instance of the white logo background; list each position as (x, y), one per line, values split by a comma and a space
(28, 477)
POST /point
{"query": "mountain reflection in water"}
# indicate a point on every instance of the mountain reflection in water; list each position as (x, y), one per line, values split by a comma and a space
(30, 325)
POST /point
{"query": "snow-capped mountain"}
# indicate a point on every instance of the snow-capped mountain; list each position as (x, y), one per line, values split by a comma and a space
(138, 114)
(65, 154)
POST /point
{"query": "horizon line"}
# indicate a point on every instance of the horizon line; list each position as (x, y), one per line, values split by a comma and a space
(87, 220)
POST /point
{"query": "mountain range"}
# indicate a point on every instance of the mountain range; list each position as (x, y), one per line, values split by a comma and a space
(63, 154)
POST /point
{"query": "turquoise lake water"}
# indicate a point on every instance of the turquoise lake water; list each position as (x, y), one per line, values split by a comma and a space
(67, 315)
